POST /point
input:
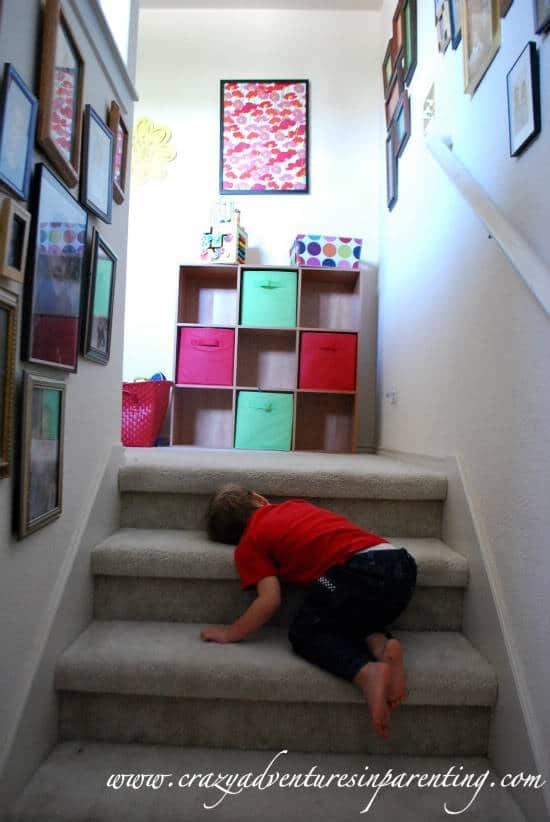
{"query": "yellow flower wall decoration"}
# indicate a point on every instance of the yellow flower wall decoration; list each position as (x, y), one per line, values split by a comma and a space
(151, 151)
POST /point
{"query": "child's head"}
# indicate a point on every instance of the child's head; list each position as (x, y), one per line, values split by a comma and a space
(229, 511)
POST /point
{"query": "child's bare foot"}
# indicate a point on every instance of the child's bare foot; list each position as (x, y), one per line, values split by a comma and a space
(374, 680)
(397, 688)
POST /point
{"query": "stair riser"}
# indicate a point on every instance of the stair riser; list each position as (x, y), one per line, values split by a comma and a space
(416, 730)
(401, 518)
(222, 601)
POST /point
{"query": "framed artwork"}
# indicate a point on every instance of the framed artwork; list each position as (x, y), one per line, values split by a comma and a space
(96, 179)
(61, 90)
(443, 24)
(264, 139)
(402, 124)
(99, 304)
(410, 39)
(18, 112)
(456, 22)
(53, 289)
(481, 33)
(15, 224)
(505, 6)
(120, 153)
(387, 69)
(524, 108)
(542, 15)
(41, 480)
(398, 26)
(8, 331)
(396, 89)
(391, 169)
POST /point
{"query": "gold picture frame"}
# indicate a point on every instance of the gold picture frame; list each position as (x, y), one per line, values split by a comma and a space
(15, 223)
(41, 479)
(481, 34)
(61, 87)
(8, 345)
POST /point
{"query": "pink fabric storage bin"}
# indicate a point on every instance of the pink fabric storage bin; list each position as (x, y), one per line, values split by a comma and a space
(328, 361)
(205, 356)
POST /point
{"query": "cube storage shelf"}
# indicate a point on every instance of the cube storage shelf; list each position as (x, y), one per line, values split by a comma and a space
(266, 359)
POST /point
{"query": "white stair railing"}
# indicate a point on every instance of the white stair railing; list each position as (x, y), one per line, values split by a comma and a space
(532, 270)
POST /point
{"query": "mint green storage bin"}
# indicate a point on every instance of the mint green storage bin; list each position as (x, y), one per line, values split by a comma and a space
(264, 421)
(268, 298)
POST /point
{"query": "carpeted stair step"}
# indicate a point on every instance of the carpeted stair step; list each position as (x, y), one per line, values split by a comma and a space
(181, 576)
(71, 787)
(157, 682)
(170, 488)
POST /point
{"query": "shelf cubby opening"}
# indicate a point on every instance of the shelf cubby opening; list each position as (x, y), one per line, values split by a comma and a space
(203, 417)
(330, 299)
(324, 422)
(208, 295)
(266, 359)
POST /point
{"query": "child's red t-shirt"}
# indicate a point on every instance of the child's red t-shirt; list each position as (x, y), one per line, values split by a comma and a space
(296, 541)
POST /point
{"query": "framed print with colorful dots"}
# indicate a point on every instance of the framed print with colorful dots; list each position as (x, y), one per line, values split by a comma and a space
(264, 142)
(53, 288)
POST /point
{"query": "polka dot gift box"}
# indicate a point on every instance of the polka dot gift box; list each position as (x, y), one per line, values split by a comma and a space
(330, 252)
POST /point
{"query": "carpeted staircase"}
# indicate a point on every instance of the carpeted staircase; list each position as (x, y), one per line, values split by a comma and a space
(139, 678)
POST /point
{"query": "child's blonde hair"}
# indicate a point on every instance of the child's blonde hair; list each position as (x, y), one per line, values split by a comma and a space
(228, 513)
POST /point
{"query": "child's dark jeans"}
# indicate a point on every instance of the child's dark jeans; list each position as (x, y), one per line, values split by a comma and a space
(349, 602)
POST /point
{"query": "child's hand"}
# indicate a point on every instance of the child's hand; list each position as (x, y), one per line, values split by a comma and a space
(216, 633)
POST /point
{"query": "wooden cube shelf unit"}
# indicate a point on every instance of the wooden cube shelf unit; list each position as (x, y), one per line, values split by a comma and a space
(266, 359)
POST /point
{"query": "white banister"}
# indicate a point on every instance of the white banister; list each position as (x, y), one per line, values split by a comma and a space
(533, 271)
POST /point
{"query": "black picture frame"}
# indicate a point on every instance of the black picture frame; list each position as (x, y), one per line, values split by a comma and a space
(527, 110)
(53, 285)
(456, 22)
(387, 69)
(259, 187)
(542, 16)
(410, 49)
(16, 145)
(392, 180)
(96, 175)
(402, 124)
(41, 467)
(97, 326)
(8, 346)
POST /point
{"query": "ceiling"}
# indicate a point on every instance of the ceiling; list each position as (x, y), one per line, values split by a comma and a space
(327, 5)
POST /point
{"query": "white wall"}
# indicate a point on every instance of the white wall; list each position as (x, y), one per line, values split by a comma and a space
(37, 620)
(463, 341)
(182, 57)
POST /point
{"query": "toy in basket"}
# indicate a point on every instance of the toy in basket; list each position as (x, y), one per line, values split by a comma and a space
(144, 406)
(226, 241)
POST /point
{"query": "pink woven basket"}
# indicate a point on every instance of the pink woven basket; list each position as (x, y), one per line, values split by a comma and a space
(144, 406)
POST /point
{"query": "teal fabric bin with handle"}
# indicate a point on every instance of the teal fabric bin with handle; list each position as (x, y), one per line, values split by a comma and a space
(264, 421)
(268, 298)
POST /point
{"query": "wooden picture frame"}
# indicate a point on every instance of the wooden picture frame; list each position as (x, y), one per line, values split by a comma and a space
(387, 69)
(8, 346)
(15, 224)
(18, 114)
(398, 29)
(42, 434)
(98, 318)
(410, 51)
(391, 170)
(274, 157)
(61, 90)
(443, 23)
(524, 102)
(54, 285)
(542, 16)
(402, 123)
(396, 89)
(479, 53)
(121, 138)
(96, 179)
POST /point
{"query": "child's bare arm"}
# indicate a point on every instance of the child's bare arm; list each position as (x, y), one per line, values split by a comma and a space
(256, 615)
